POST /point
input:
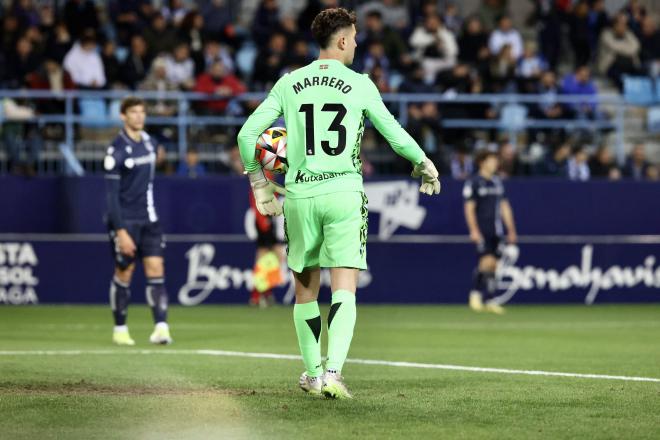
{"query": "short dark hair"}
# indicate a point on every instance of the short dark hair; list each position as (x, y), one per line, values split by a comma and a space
(482, 155)
(130, 101)
(327, 22)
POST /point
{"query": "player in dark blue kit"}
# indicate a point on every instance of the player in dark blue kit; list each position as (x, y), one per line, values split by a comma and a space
(487, 211)
(133, 223)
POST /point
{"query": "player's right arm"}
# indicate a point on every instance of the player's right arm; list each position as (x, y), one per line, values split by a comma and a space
(470, 209)
(264, 190)
(402, 143)
(112, 164)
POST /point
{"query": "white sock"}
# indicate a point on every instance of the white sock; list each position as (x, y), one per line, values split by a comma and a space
(121, 328)
(162, 325)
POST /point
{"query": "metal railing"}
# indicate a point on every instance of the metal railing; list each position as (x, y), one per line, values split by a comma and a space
(185, 117)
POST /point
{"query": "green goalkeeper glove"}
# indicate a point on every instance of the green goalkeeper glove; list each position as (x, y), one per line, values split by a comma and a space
(430, 183)
(264, 193)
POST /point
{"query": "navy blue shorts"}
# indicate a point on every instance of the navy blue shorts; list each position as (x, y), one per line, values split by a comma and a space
(491, 245)
(148, 238)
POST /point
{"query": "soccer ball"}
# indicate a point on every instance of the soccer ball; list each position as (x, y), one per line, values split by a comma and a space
(271, 150)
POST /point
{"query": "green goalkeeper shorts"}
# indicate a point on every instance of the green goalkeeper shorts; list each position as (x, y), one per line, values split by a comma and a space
(329, 230)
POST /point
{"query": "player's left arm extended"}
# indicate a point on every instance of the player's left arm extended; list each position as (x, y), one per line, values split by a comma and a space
(507, 217)
(264, 190)
(402, 143)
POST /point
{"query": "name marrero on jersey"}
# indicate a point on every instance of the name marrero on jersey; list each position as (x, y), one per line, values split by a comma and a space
(328, 81)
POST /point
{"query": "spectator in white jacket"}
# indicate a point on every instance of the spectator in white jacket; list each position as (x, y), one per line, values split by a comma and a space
(180, 67)
(503, 35)
(84, 63)
(434, 47)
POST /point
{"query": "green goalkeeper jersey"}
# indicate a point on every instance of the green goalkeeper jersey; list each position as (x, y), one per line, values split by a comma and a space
(324, 105)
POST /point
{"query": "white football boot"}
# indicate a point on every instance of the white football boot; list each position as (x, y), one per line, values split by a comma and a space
(334, 386)
(311, 385)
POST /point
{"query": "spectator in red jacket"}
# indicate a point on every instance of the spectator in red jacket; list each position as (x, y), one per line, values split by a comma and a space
(219, 82)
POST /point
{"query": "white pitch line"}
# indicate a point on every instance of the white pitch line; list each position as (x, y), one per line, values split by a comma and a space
(399, 364)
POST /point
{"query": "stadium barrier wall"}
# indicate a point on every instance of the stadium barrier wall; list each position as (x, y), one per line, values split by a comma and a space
(588, 242)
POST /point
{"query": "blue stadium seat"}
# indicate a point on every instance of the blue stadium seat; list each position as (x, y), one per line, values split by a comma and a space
(245, 59)
(94, 113)
(513, 117)
(657, 89)
(653, 120)
(638, 90)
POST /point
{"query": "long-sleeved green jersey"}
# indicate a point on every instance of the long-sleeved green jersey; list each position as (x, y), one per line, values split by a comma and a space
(324, 105)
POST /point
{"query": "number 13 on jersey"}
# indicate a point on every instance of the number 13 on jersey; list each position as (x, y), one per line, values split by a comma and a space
(336, 125)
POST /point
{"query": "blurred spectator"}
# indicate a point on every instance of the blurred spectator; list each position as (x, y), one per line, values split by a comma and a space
(59, 43)
(502, 71)
(619, 51)
(217, 81)
(21, 139)
(650, 46)
(135, 67)
(490, 11)
(379, 77)
(265, 22)
(130, 17)
(635, 13)
(160, 36)
(80, 15)
(174, 12)
(10, 33)
(598, 21)
(217, 17)
(214, 51)
(602, 164)
(434, 46)
(375, 57)
(580, 83)
(111, 65)
(180, 67)
(22, 62)
(157, 81)
(473, 43)
(289, 27)
(425, 127)
(530, 67)
(51, 77)
(452, 18)
(456, 80)
(191, 167)
(26, 13)
(636, 166)
(505, 35)
(375, 31)
(548, 107)
(580, 33)
(393, 13)
(577, 165)
(414, 81)
(270, 62)
(461, 164)
(548, 17)
(653, 173)
(84, 64)
(510, 164)
(299, 55)
(556, 163)
(190, 31)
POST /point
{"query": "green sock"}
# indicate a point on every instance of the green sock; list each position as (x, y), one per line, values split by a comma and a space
(307, 318)
(341, 321)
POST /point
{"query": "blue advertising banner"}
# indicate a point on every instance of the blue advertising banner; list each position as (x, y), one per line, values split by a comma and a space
(400, 271)
(581, 242)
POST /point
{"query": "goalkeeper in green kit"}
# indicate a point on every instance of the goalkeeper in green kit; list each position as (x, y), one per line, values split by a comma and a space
(324, 105)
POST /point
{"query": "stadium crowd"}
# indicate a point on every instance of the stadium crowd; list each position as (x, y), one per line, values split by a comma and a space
(404, 46)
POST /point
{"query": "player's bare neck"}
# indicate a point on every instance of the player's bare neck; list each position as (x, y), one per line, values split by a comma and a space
(485, 174)
(133, 134)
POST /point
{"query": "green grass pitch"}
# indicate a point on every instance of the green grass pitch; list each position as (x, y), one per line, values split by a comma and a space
(126, 394)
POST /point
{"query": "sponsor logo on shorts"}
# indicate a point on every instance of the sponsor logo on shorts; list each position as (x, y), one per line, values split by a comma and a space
(302, 177)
